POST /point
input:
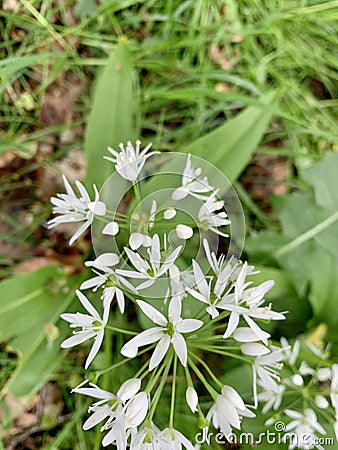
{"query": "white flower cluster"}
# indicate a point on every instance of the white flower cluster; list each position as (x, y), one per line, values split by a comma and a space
(196, 311)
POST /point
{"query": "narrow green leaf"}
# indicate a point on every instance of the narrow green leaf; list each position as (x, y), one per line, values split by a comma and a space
(112, 119)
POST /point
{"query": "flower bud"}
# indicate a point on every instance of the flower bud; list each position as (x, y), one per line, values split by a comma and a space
(191, 398)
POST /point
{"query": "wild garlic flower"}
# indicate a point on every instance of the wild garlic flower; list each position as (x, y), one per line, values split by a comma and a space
(192, 184)
(149, 271)
(148, 437)
(113, 285)
(129, 161)
(208, 292)
(227, 411)
(169, 332)
(272, 398)
(247, 303)
(76, 209)
(122, 412)
(304, 426)
(92, 326)
(174, 440)
(209, 218)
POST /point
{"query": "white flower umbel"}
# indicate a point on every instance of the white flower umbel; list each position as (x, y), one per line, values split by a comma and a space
(209, 218)
(304, 426)
(92, 326)
(227, 411)
(192, 183)
(209, 292)
(112, 283)
(129, 161)
(174, 440)
(168, 332)
(76, 209)
(149, 271)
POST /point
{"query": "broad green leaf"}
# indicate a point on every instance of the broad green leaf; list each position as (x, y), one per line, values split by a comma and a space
(231, 146)
(112, 118)
(29, 303)
(228, 148)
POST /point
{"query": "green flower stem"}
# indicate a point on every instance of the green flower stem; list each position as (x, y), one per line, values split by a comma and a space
(173, 393)
(188, 377)
(202, 378)
(121, 330)
(154, 377)
(120, 363)
(137, 192)
(220, 351)
(167, 364)
(213, 322)
(207, 368)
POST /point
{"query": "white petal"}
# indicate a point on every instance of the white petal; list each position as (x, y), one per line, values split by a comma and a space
(95, 348)
(246, 334)
(107, 260)
(101, 413)
(146, 337)
(184, 232)
(180, 348)
(232, 324)
(78, 338)
(128, 389)
(86, 304)
(98, 208)
(135, 240)
(254, 349)
(153, 314)
(169, 213)
(159, 352)
(80, 231)
(111, 228)
(136, 410)
(174, 309)
(233, 395)
(191, 398)
(188, 325)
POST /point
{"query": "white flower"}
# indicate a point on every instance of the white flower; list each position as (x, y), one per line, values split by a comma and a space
(129, 161)
(74, 209)
(92, 326)
(321, 402)
(273, 398)
(323, 374)
(134, 413)
(174, 440)
(291, 352)
(169, 332)
(304, 426)
(209, 218)
(147, 438)
(191, 183)
(123, 411)
(203, 292)
(149, 271)
(169, 213)
(247, 303)
(191, 398)
(225, 413)
(107, 278)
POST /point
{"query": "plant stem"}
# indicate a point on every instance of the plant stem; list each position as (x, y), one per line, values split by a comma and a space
(173, 392)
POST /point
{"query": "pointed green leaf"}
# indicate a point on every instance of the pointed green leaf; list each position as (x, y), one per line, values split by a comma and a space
(112, 118)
